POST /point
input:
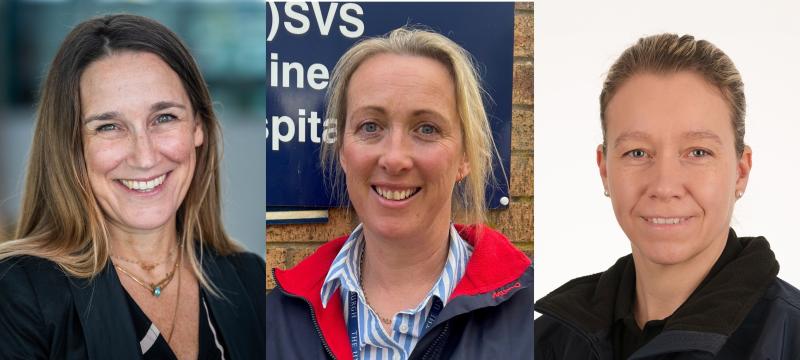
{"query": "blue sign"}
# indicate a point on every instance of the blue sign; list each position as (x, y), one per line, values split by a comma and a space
(304, 41)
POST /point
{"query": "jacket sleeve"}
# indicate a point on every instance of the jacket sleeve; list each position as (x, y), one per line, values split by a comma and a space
(22, 331)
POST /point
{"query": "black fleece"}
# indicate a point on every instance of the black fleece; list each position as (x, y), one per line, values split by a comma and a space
(578, 317)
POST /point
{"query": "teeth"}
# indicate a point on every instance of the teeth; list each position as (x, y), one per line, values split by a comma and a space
(395, 195)
(143, 186)
(665, 221)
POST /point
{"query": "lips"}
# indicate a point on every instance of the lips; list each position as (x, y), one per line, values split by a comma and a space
(396, 194)
(143, 185)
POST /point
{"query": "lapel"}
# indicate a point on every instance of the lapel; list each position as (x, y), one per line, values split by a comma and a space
(104, 316)
(233, 312)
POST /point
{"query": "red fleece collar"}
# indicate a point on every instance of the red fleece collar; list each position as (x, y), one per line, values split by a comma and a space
(493, 264)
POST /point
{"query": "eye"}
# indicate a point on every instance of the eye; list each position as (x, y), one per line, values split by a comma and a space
(699, 153)
(427, 129)
(636, 154)
(106, 127)
(369, 127)
(165, 118)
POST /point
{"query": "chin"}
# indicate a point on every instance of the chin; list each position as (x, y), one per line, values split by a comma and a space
(667, 253)
(390, 228)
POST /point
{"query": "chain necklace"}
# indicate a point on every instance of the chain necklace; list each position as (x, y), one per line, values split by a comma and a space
(154, 288)
(146, 266)
(384, 320)
(177, 301)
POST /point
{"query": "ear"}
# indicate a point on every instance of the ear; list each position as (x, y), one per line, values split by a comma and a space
(199, 135)
(463, 168)
(743, 167)
(601, 166)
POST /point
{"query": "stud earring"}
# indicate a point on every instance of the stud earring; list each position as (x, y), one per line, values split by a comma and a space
(605, 193)
(739, 194)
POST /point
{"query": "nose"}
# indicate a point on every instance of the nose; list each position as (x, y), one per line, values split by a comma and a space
(143, 153)
(395, 157)
(667, 180)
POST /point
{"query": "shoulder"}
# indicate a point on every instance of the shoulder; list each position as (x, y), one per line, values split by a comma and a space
(772, 327)
(27, 276)
(35, 299)
(247, 264)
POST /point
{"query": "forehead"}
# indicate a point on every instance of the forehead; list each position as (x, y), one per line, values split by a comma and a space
(394, 79)
(664, 104)
(127, 80)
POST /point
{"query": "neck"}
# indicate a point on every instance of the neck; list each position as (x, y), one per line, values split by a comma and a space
(403, 264)
(661, 289)
(148, 246)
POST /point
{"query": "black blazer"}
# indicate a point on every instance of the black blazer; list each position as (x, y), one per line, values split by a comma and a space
(47, 314)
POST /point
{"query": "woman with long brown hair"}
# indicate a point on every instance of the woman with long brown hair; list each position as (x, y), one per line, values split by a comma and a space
(120, 251)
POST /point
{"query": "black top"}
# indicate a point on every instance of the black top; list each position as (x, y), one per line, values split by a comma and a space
(46, 314)
(627, 337)
(210, 341)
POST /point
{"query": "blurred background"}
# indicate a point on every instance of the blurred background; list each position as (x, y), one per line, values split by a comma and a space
(227, 38)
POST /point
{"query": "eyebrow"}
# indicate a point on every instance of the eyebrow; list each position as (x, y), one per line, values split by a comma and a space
(109, 115)
(703, 134)
(693, 135)
(630, 135)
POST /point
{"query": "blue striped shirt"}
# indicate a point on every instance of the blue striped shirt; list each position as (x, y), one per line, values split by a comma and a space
(408, 325)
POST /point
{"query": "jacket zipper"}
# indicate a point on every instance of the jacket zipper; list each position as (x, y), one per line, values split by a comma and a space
(574, 328)
(313, 315)
(436, 341)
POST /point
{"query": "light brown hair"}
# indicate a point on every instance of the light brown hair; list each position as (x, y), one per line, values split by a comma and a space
(669, 53)
(476, 132)
(60, 218)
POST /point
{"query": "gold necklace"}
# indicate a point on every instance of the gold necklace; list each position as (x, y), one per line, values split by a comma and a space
(177, 301)
(144, 265)
(384, 320)
(154, 288)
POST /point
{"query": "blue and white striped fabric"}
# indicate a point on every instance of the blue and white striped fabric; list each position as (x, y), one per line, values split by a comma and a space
(407, 326)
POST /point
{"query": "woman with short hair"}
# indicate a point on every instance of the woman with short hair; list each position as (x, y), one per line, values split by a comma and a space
(674, 163)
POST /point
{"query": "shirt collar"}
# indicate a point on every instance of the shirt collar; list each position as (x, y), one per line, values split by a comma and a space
(346, 266)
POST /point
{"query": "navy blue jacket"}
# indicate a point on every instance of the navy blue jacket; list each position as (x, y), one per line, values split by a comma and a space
(743, 311)
(489, 315)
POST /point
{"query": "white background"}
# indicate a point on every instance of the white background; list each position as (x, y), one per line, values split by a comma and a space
(575, 230)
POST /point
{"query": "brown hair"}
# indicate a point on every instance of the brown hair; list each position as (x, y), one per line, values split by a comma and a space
(60, 219)
(476, 132)
(669, 53)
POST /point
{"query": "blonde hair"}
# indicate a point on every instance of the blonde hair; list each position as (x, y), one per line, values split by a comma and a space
(60, 218)
(669, 53)
(476, 132)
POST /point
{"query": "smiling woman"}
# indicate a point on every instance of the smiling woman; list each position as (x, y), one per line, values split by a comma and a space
(674, 163)
(120, 250)
(414, 148)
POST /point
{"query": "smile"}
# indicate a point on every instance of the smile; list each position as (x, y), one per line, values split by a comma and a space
(665, 220)
(396, 195)
(143, 186)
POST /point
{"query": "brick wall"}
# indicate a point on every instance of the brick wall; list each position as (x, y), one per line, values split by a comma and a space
(288, 244)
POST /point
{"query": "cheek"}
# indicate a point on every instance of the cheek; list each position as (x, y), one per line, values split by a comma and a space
(176, 148)
(103, 156)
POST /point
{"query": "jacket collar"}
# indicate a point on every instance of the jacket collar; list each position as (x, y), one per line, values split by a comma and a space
(716, 308)
(493, 265)
(232, 310)
(104, 316)
(108, 328)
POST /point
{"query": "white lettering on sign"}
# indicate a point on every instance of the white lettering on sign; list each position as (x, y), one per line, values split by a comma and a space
(282, 73)
(286, 129)
(300, 17)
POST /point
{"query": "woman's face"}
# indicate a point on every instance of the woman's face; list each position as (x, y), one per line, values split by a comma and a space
(671, 167)
(139, 136)
(402, 150)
